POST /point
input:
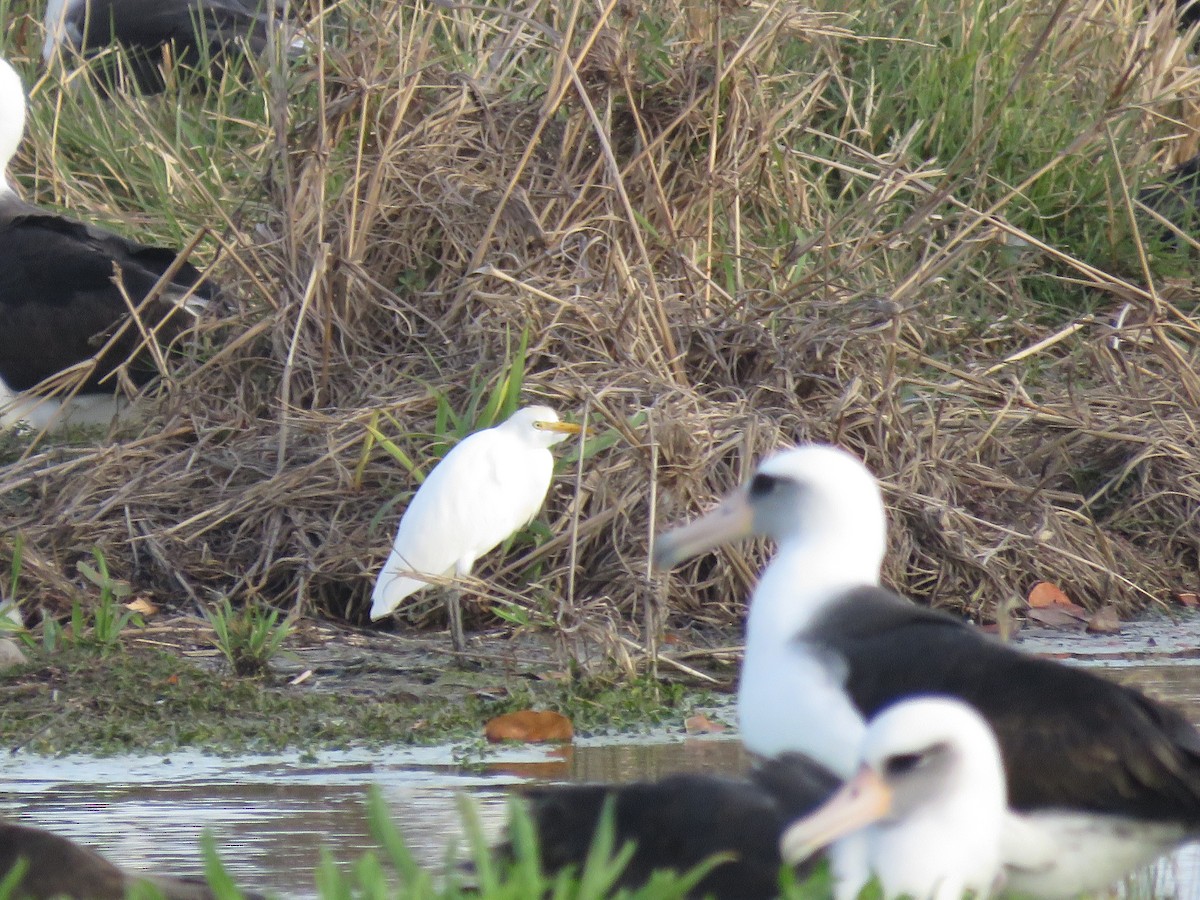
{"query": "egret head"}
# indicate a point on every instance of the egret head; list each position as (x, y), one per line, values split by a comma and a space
(928, 756)
(12, 118)
(814, 492)
(539, 426)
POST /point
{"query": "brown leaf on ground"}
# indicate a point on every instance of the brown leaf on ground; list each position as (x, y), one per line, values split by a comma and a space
(1045, 594)
(143, 606)
(1105, 620)
(530, 726)
(1188, 599)
(701, 724)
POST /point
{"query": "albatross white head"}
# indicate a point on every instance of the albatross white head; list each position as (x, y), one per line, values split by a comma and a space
(12, 119)
(818, 503)
(930, 799)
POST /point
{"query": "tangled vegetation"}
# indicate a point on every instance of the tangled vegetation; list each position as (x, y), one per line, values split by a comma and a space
(910, 228)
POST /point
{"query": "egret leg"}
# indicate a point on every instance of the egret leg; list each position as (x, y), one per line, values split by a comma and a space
(454, 618)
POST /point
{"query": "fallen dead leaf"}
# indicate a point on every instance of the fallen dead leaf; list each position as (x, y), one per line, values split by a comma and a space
(1104, 621)
(143, 606)
(700, 724)
(1188, 599)
(530, 726)
(1045, 594)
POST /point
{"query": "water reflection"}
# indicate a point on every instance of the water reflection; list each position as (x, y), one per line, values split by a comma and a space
(272, 815)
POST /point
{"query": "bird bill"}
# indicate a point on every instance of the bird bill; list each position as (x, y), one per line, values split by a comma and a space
(864, 799)
(559, 427)
(730, 521)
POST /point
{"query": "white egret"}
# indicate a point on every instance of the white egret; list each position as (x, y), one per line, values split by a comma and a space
(929, 799)
(65, 289)
(486, 488)
(1101, 779)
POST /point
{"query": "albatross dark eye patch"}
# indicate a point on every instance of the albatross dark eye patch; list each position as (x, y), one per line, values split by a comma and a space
(762, 485)
(902, 763)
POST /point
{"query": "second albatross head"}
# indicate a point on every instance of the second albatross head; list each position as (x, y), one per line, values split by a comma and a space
(814, 496)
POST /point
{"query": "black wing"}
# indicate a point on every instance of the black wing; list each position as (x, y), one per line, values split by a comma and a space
(152, 23)
(682, 820)
(197, 30)
(1069, 738)
(59, 304)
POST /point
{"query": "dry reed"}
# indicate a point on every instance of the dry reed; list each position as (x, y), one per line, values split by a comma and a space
(415, 210)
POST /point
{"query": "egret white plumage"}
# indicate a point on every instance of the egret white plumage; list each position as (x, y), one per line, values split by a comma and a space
(152, 32)
(485, 489)
(1101, 779)
(929, 799)
(65, 291)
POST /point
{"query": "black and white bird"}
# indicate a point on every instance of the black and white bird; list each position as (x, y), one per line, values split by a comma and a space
(923, 814)
(489, 486)
(156, 33)
(67, 294)
(1101, 779)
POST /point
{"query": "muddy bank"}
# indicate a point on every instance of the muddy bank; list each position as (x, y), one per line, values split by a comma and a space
(166, 686)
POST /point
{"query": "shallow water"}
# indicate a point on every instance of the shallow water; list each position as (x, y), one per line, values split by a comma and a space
(271, 815)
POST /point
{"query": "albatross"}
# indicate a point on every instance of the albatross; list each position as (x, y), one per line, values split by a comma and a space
(1101, 779)
(485, 489)
(927, 804)
(681, 821)
(58, 867)
(66, 289)
(923, 815)
(154, 32)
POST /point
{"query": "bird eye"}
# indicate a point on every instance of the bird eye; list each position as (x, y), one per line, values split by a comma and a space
(902, 764)
(762, 485)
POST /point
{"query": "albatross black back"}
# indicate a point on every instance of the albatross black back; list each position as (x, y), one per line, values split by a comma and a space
(1069, 738)
(188, 31)
(682, 820)
(59, 302)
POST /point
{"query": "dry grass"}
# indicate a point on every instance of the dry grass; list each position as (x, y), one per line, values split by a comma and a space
(719, 235)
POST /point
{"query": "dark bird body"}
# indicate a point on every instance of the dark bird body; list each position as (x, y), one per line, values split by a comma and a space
(68, 291)
(151, 32)
(1070, 739)
(60, 303)
(682, 820)
(58, 867)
